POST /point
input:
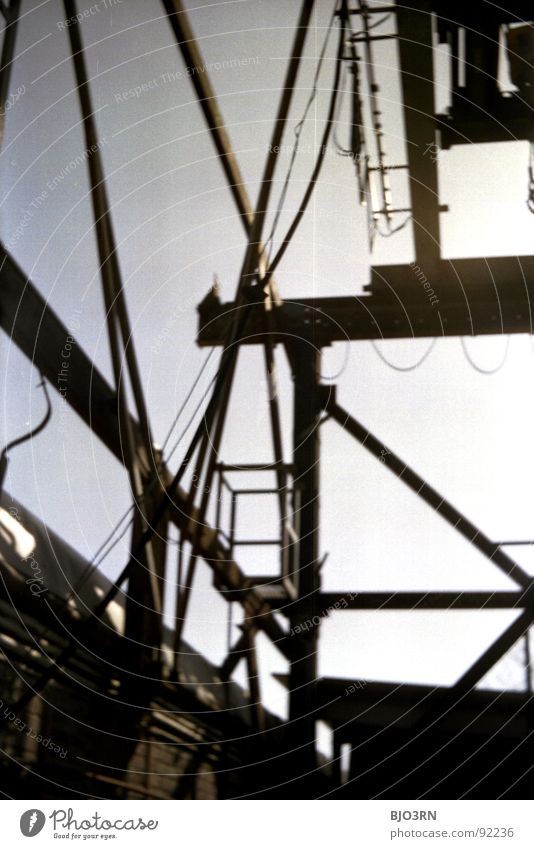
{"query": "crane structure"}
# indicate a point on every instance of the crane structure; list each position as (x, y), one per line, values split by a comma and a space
(406, 741)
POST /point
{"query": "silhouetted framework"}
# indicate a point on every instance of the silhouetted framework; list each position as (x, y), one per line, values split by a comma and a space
(404, 740)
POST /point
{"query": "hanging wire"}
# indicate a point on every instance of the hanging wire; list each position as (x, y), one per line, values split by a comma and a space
(96, 562)
(478, 368)
(404, 368)
(303, 206)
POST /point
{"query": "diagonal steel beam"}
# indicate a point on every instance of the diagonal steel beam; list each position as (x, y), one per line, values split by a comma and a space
(236, 653)
(431, 496)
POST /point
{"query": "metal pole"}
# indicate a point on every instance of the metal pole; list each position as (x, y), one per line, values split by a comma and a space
(442, 507)
(303, 669)
(8, 48)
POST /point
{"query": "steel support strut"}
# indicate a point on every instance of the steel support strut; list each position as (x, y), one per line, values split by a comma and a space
(303, 669)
